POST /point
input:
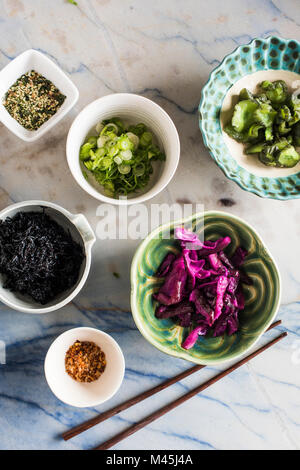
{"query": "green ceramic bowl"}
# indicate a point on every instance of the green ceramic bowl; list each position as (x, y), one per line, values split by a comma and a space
(262, 299)
(269, 58)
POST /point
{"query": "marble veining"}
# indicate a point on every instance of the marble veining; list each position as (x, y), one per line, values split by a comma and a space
(164, 51)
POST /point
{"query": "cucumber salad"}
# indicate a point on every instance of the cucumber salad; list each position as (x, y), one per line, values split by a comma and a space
(120, 158)
(269, 122)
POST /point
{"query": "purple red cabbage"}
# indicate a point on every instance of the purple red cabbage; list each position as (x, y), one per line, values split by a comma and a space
(182, 308)
(202, 288)
(165, 265)
(233, 281)
(214, 247)
(186, 236)
(225, 260)
(192, 338)
(221, 289)
(172, 291)
(201, 306)
(217, 264)
(239, 256)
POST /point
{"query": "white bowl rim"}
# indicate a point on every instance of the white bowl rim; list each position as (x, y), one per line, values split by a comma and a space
(88, 245)
(93, 192)
(100, 333)
(134, 309)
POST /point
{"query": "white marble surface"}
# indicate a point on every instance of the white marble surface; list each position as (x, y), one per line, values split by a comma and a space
(163, 50)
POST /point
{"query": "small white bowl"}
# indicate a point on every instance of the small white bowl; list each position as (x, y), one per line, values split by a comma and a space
(34, 60)
(133, 109)
(80, 231)
(79, 394)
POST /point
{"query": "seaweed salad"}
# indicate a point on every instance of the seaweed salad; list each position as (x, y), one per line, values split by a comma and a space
(37, 257)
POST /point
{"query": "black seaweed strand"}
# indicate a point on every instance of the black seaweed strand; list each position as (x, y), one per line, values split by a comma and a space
(37, 257)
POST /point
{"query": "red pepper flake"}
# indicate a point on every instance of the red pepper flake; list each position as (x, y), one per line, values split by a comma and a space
(85, 361)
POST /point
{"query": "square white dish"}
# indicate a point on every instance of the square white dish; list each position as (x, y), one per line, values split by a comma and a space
(34, 60)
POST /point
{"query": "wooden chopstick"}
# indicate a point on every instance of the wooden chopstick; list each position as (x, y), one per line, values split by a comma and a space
(127, 404)
(137, 399)
(165, 409)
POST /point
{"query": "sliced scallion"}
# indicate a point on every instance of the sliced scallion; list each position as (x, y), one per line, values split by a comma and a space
(99, 127)
(111, 127)
(139, 169)
(126, 154)
(102, 141)
(124, 169)
(134, 139)
(120, 158)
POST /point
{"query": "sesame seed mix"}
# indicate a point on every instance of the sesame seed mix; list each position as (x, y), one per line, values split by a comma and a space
(32, 100)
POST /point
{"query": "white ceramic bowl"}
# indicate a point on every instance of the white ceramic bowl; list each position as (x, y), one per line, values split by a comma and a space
(133, 109)
(79, 394)
(80, 231)
(37, 61)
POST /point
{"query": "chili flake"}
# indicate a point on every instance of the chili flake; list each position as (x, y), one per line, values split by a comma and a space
(32, 100)
(85, 361)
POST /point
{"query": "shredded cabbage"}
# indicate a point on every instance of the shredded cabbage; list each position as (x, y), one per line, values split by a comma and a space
(202, 287)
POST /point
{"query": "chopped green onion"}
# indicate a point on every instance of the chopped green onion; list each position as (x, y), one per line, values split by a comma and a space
(123, 192)
(146, 139)
(111, 127)
(99, 127)
(139, 169)
(126, 154)
(138, 130)
(85, 151)
(113, 151)
(125, 143)
(120, 158)
(100, 152)
(124, 169)
(117, 121)
(89, 165)
(102, 141)
(106, 163)
(134, 139)
(93, 141)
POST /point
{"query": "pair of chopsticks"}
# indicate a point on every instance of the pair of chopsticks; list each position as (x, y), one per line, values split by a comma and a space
(165, 409)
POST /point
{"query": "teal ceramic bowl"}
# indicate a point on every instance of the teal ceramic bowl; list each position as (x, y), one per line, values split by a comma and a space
(262, 298)
(271, 57)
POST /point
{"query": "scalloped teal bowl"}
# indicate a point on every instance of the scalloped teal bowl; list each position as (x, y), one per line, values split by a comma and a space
(261, 54)
(262, 298)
